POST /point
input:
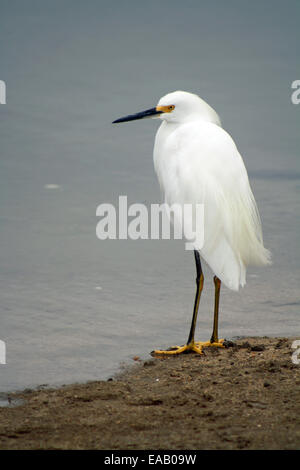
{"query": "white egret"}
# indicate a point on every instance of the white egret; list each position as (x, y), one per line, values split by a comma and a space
(197, 162)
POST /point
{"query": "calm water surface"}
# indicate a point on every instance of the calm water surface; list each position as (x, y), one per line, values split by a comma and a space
(74, 308)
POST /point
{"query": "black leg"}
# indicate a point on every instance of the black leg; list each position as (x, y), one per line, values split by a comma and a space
(199, 283)
(191, 344)
(214, 336)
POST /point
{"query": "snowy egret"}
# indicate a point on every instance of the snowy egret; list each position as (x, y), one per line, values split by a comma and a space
(197, 162)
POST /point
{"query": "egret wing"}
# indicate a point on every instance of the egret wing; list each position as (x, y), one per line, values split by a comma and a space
(202, 165)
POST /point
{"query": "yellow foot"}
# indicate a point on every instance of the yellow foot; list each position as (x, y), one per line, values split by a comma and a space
(187, 348)
(205, 344)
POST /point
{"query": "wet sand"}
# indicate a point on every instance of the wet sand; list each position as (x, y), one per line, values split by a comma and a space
(246, 396)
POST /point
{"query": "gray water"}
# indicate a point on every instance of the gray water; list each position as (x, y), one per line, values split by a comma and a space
(74, 308)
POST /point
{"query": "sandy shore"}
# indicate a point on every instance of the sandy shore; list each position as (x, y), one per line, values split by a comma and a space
(244, 397)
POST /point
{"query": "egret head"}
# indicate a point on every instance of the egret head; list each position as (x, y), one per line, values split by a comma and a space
(179, 106)
(186, 107)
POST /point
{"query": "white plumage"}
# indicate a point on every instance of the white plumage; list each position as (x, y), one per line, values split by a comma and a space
(197, 161)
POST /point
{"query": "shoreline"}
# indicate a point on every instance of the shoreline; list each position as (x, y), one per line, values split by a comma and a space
(242, 397)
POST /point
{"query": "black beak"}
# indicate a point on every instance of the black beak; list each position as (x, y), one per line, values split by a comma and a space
(142, 115)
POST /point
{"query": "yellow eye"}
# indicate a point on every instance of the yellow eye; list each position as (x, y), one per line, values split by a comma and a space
(171, 107)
